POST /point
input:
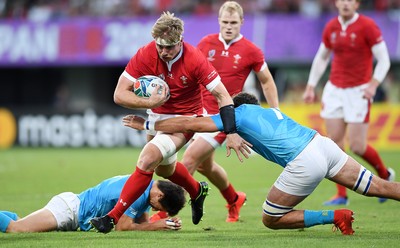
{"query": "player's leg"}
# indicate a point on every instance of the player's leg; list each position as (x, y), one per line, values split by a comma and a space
(357, 117)
(333, 114)
(299, 179)
(336, 130)
(197, 151)
(137, 183)
(60, 213)
(177, 173)
(218, 176)
(160, 147)
(200, 155)
(39, 221)
(358, 144)
(355, 176)
(278, 213)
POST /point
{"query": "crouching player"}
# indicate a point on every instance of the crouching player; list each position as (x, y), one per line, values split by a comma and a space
(69, 212)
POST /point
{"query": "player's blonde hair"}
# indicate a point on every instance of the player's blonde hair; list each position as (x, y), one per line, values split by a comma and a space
(167, 30)
(231, 7)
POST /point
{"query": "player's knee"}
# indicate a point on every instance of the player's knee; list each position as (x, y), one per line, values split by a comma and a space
(205, 168)
(190, 163)
(148, 162)
(357, 148)
(272, 213)
(270, 222)
(164, 171)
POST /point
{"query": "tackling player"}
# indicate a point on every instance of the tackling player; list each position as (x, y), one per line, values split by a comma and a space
(186, 71)
(234, 57)
(306, 157)
(354, 40)
(69, 212)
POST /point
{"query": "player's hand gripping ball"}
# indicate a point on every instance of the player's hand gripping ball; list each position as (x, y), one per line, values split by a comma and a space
(145, 85)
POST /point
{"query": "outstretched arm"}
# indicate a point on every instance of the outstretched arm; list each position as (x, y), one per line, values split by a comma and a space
(172, 125)
(182, 125)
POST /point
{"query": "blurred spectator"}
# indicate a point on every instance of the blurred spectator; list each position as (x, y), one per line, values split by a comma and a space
(42, 10)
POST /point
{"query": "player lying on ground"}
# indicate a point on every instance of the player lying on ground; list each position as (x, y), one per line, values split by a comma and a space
(306, 156)
(69, 212)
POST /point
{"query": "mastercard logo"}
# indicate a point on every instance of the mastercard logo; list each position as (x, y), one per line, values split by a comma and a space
(8, 128)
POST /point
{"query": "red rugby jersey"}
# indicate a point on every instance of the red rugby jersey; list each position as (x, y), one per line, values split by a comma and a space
(352, 62)
(233, 62)
(187, 75)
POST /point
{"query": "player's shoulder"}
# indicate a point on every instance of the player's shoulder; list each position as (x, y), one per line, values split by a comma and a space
(208, 40)
(248, 44)
(334, 21)
(191, 52)
(210, 37)
(366, 19)
(148, 50)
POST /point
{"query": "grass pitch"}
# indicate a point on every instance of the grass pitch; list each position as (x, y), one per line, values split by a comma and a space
(30, 177)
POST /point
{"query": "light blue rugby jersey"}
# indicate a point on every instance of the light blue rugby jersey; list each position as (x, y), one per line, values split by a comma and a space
(100, 199)
(273, 134)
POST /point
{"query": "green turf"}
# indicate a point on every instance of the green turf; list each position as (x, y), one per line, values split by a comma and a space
(29, 177)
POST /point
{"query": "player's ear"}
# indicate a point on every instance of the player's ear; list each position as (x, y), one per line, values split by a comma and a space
(160, 196)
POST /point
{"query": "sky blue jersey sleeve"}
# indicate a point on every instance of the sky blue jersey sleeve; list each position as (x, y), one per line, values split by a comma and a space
(100, 199)
(273, 134)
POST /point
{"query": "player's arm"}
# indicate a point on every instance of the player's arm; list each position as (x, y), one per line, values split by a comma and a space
(227, 112)
(381, 54)
(172, 125)
(124, 96)
(181, 125)
(269, 87)
(318, 67)
(127, 223)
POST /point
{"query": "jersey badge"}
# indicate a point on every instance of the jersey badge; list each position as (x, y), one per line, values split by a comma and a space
(211, 55)
(333, 37)
(184, 80)
(353, 37)
(237, 57)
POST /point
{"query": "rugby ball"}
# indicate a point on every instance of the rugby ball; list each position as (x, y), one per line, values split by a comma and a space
(145, 85)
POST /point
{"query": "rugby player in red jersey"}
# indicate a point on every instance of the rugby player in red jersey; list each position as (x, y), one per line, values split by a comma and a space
(354, 40)
(186, 71)
(234, 57)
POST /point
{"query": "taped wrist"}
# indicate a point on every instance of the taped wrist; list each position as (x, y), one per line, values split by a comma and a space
(228, 118)
(149, 125)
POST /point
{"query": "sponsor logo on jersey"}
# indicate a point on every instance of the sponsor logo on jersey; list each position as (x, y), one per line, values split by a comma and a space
(225, 53)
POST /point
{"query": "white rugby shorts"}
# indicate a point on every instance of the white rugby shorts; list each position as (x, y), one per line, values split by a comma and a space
(321, 158)
(65, 208)
(345, 103)
(209, 137)
(157, 117)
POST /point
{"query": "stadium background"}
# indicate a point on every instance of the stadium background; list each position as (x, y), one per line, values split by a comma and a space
(60, 61)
